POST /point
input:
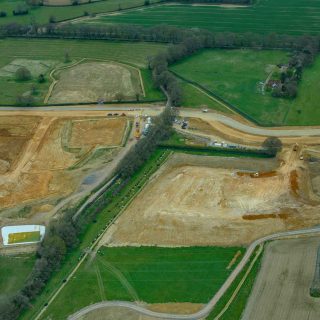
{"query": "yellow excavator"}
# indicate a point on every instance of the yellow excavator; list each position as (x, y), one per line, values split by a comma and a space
(137, 132)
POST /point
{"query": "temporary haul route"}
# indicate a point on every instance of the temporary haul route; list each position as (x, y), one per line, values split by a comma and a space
(211, 304)
(152, 110)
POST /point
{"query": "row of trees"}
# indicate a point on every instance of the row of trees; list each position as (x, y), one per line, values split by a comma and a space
(162, 33)
(141, 151)
(241, 2)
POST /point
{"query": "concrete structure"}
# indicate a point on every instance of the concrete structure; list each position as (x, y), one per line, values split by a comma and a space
(6, 231)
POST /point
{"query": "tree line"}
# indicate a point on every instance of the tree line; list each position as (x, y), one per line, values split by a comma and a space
(161, 33)
(240, 2)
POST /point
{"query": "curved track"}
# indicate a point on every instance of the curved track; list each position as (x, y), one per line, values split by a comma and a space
(211, 304)
(233, 122)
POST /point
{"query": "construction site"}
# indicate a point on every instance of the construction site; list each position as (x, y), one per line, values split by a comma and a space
(48, 157)
(203, 200)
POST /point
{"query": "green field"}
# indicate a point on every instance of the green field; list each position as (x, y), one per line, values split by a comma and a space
(266, 16)
(14, 270)
(193, 97)
(20, 237)
(42, 14)
(235, 75)
(54, 50)
(150, 274)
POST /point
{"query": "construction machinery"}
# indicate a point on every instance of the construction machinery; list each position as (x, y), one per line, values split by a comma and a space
(137, 132)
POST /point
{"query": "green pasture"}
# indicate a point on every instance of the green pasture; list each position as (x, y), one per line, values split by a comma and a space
(54, 50)
(14, 271)
(237, 76)
(150, 274)
(42, 14)
(193, 97)
(265, 16)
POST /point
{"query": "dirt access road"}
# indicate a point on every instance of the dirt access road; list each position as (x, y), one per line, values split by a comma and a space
(235, 122)
(281, 290)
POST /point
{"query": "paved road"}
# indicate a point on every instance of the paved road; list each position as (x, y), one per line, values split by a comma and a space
(211, 304)
(211, 115)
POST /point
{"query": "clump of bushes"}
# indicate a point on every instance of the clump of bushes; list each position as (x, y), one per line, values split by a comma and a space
(20, 10)
(3, 14)
(22, 74)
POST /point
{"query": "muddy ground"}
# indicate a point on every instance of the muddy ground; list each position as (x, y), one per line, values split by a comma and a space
(196, 200)
(44, 159)
(122, 313)
(281, 290)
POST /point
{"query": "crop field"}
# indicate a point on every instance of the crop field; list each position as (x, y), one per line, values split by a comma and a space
(198, 200)
(93, 81)
(281, 290)
(39, 54)
(236, 76)
(149, 274)
(42, 14)
(51, 163)
(14, 270)
(266, 16)
(24, 237)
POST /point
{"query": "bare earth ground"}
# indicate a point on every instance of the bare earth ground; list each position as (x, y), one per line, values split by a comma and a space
(92, 81)
(122, 313)
(281, 291)
(196, 200)
(14, 134)
(55, 153)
